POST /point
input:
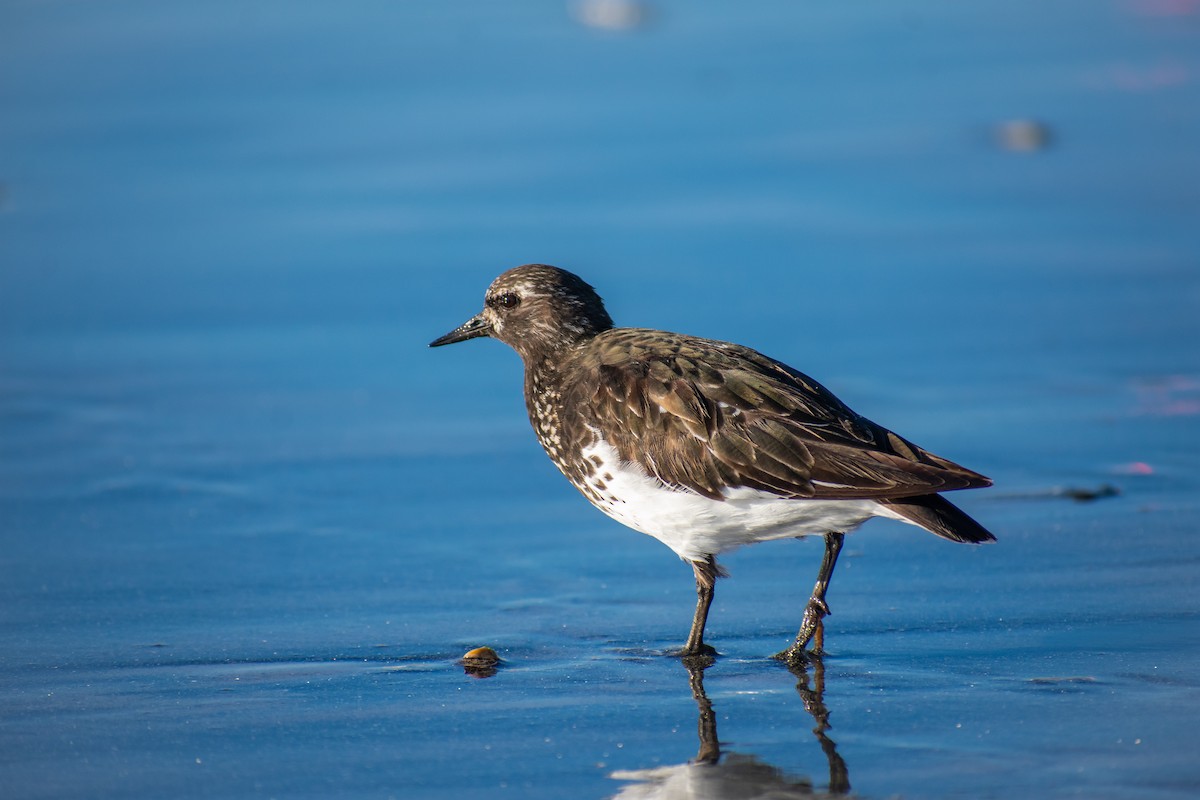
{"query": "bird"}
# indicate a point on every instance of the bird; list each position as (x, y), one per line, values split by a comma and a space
(707, 445)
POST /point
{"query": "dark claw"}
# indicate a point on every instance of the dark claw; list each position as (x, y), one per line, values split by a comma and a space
(810, 629)
(795, 657)
(703, 651)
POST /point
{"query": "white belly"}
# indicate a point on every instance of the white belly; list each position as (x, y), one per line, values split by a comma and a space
(695, 526)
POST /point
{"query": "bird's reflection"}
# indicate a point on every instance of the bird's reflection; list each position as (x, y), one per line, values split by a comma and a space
(735, 776)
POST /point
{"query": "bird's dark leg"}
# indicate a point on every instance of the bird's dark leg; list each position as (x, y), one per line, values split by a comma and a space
(706, 579)
(811, 627)
(710, 748)
(813, 697)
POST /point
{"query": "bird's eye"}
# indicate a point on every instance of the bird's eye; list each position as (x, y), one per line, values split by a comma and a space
(506, 300)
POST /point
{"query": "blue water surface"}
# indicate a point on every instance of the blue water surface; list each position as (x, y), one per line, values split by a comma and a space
(249, 522)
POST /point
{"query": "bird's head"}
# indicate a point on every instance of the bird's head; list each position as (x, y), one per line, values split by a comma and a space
(535, 309)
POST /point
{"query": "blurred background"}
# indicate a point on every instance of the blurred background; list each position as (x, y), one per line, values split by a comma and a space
(229, 229)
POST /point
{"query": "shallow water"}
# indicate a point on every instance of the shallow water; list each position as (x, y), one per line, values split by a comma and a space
(248, 522)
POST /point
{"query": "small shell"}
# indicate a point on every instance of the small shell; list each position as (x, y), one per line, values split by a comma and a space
(481, 657)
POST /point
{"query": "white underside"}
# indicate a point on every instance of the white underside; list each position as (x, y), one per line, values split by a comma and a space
(695, 526)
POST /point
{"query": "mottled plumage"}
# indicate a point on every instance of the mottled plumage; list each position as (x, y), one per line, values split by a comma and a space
(706, 445)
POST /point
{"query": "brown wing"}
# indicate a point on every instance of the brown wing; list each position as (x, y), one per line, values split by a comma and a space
(704, 414)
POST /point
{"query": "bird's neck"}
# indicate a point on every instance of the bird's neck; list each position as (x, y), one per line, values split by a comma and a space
(543, 398)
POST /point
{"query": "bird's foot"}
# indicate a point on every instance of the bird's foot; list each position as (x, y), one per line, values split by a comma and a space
(794, 657)
(812, 629)
(701, 655)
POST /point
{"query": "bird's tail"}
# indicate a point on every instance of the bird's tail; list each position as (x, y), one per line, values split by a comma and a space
(939, 516)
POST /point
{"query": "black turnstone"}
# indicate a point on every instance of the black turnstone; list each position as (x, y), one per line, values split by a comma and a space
(706, 445)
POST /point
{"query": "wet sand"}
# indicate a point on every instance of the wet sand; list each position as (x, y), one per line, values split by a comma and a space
(249, 524)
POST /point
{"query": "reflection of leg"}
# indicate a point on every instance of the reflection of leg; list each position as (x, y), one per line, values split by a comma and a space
(710, 749)
(814, 704)
(811, 627)
(706, 579)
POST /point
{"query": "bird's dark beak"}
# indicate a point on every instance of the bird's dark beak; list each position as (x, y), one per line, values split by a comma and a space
(474, 327)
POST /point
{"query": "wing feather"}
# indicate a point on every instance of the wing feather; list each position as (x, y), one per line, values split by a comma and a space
(703, 415)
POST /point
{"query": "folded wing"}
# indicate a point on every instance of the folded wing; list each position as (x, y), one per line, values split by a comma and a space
(703, 415)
